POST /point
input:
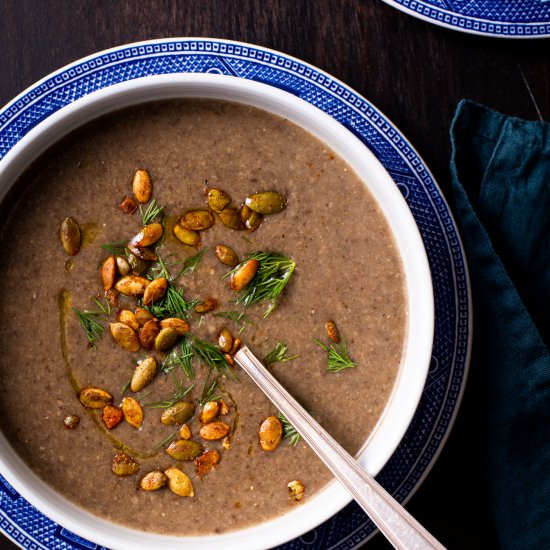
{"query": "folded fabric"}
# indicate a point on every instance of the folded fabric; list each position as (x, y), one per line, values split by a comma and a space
(500, 171)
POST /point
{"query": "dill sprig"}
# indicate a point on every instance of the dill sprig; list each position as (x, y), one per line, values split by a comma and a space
(337, 356)
(173, 304)
(278, 355)
(289, 431)
(211, 355)
(89, 321)
(239, 317)
(181, 356)
(153, 212)
(178, 395)
(118, 248)
(209, 388)
(274, 273)
(191, 263)
(165, 441)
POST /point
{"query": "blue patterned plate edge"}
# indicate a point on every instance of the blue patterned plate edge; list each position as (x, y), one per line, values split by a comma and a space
(437, 410)
(482, 26)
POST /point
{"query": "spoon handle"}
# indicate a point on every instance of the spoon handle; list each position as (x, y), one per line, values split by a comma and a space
(400, 528)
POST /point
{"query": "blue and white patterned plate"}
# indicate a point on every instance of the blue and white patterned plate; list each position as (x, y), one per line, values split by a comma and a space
(416, 453)
(500, 18)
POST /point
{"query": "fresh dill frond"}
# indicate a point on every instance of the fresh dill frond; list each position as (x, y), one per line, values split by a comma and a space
(126, 386)
(337, 356)
(246, 240)
(173, 304)
(118, 248)
(289, 431)
(152, 213)
(182, 356)
(191, 263)
(211, 355)
(209, 389)
(178, 395)
(165, 441)
(274, 273)
(278, 355)
(239, 317)
(89, 321)
(104, 306)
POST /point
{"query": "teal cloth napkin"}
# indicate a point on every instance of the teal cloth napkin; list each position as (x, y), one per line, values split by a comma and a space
(500, 170)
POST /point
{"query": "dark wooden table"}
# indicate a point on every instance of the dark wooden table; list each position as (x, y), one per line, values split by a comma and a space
(413, 71)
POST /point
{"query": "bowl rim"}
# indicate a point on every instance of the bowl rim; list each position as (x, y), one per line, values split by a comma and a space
(10, 160)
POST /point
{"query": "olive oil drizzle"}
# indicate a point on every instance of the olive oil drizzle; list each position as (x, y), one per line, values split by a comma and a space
(64, 302)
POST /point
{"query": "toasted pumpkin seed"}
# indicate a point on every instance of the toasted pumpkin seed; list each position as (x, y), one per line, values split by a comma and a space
(148, 235)
(207, 462)
(185, 432)
(236, 346)
(155, 291)
(144, 254)
(178, 413)
(132, 285)
(69, 235)
(143, 315)
(71, 421)
(209, 412)
(153, 481)
(111, 416)
(231, 217)
(108, 273)
(245, 213)
(208, 305)
(225, 340)
(112, 296)
(123, 465)
(128, 318)
(226, 255)
(186, 236)
(244, 274)
(253, 221)
(179, 483)
(332, 331)
(132, 411)
(137, 265)
(179, 325)
(94, 398)
(148, 334)
(128, 205)
(126, 337)
(224, 408)
(266, 202)
(143, 374)
(296, 489)
(270, 433)
(217, 199)
(122, 265)
(197, 220)
(142, 186)
(184, 449)
(214, 430)
(166, 339)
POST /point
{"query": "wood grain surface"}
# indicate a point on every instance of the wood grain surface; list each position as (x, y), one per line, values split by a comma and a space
(411, 70)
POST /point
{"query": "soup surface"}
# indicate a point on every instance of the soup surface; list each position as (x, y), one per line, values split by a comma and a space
(347, 270)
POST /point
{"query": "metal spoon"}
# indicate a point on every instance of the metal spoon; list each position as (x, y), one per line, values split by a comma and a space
(399, 527)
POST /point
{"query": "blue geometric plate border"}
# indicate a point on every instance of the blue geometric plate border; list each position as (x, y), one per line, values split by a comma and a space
(442, 393)
(498, 18)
